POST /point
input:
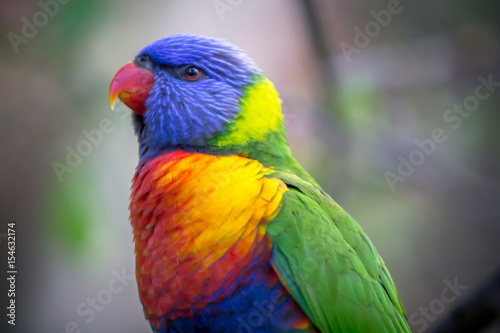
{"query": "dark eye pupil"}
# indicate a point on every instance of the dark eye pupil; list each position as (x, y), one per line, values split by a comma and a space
(192, 71)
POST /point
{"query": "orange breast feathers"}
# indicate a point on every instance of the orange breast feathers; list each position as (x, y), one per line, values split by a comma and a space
(199, 226)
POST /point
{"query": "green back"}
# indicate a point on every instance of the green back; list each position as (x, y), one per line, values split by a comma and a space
(330, 266)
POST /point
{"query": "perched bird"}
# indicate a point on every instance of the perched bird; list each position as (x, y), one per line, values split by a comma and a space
(231, 234)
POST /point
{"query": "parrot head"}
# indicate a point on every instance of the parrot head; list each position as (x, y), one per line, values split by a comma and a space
(197, 93)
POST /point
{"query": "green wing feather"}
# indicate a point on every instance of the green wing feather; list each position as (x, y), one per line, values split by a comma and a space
(330, 266)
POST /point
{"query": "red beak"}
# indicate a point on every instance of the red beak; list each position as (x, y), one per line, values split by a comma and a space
(131, 85)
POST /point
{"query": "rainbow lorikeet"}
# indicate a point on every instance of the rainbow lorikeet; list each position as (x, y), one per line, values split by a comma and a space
(231, 234)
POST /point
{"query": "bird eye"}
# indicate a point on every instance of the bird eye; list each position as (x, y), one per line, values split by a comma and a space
(192, 73)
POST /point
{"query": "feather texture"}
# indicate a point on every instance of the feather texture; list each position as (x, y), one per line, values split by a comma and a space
(330, 266)
(200, 232)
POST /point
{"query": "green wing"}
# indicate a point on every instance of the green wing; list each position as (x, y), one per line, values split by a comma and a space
(330, 266)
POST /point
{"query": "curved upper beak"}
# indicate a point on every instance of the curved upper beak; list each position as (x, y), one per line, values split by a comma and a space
(131, 85)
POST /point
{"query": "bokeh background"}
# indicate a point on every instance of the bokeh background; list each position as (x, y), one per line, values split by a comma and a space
(349, 118)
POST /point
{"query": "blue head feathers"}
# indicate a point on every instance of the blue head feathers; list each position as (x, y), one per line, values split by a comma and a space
(198, 85)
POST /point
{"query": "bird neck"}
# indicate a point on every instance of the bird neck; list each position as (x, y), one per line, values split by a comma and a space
(257, 132)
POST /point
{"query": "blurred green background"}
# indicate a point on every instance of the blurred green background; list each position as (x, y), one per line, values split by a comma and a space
(349, 119)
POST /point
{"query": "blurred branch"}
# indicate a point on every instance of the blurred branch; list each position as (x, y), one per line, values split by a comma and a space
(313, 21)
(478, 311)
(319, 40)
